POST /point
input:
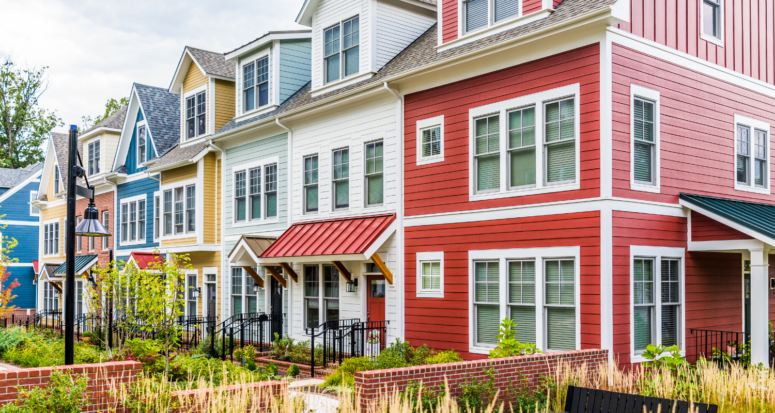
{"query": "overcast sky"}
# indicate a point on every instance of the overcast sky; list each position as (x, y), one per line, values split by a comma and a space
(96, 49)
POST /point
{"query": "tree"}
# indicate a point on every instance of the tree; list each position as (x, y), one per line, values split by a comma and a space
(6, 289)
(111, 294)
(24, 125)
(112, 106)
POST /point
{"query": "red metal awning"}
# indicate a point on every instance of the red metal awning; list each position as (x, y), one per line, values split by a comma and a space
(331, 238)
(145, 259)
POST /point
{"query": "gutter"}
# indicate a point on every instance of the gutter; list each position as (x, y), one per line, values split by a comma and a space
(607, 12)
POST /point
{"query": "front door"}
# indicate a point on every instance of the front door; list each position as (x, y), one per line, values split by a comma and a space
(211, 301)
(376, 298)
(277, 308)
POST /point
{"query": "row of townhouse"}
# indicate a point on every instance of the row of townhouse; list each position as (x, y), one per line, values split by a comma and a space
(596, 170)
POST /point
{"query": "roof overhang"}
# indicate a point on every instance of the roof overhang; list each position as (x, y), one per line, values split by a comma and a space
(143, 260)
(266, 39)
(14, 189)
(728, 217)
(307, 10)
(86, 265)
(46, 273)
(151, 170)
(94, 132)
(186, 59)
(248, 250)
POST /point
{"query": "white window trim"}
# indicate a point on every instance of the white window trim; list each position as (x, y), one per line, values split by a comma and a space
(367, 139)
(501, 108)
(137, 143)
(133, 200)
(423, 124)
(491, 23)
(161, 215)
(33, 196)
(59, 235)
(194, 273)
(425, 257)
(254, 59)
(540, 255)
(198, 208)
(86, 148)
(105, 240)
(657, 253)
(332, 192)
(252, 165)
(187, 95)
(651, 95)
(304, 186)
(327, 25)
(718, 41)
(753, 124)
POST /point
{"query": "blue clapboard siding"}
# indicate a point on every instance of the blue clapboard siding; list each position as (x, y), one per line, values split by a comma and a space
(25, 292)
(2, 190)
(27, 238)
(146, 186)
(131, 156)
(295, 66)
(17, 207)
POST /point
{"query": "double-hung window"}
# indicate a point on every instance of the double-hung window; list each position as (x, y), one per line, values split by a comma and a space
(191, 300)
(270, 191)
(190, 208)
(560, 141)
(644, 145)
(156, 217)
(50, 297)
(486, 302)
(560, 304)
(255, 84)
(106, 224)
(487, 156)
(752, 160)
(93, 154)
(311, 183)
(255, 193)
(251, 198)
(51, 238)
(374, 173)
(522, 148)
(196, 108)
(179, 227)
(331, 293)
(341, 181)
(712, 19)
(236, 290)
(312, 295)
(178, 210)
(341, 50)
(478, 14)
(656, 300)
(34, 211)
(56, 179)
(77, 238)
(141, 140)
(240, 196)
(522, 298)
(124, 222)
(133, 219)
(168, 212)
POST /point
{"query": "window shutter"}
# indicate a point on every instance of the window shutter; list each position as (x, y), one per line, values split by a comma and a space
(487, 321)
(561, 162)
(643, 164)
(561, 328)
(476, 14)
(505, 9)
(525, 317)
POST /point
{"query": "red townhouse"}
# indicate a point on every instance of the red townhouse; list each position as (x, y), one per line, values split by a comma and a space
(597, 170)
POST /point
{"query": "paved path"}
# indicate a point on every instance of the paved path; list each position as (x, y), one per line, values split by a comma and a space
(4, 366)
(317, 403)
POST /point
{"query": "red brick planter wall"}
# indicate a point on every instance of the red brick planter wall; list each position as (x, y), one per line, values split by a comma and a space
(371, 386)
(194, 401)
(101, 377)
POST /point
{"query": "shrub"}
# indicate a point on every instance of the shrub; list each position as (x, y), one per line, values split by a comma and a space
(508, 345)
(245, 353)
(447, 356)
(192, 368)
(477, 394)
(271, 369)
(287, 349)
(250, 365)
(427, 399)
(147, 352)
(13, 337)
(64, 394)
(293, 370)
(41, 352)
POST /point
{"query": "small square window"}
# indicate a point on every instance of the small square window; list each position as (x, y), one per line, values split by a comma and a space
(430, 274)
(430, 140)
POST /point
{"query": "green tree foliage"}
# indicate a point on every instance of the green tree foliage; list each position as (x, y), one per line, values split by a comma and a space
(111, 106)
(24, 125)
(508, 345)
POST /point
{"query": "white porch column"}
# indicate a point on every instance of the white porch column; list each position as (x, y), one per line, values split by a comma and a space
(760, 337)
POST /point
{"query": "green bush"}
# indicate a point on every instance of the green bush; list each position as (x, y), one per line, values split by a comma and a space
(477, 394)
(508, 345)
(424, 398)
(447, 356)
(42, 352)
(148, 352)
(13, 337)
(191, 368)
(271, 369)
(64, 394)
(250, 364)
(293, 371)
(287, 349)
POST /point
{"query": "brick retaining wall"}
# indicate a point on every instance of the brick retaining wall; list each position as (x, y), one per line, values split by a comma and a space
(194, 401)
(101, 377)
(371, 386)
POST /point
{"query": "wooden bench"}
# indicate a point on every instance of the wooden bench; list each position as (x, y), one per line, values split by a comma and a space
(583, 400)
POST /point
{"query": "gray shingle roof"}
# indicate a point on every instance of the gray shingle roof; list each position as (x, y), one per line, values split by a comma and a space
(61, 146)
(114, 121)
(269, 33)
(179, 153)
(9, 178)
(162, 112)
(422, 52)
(213, 63)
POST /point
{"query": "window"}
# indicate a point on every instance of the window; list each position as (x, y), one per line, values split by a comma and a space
(94, 157)
(430, 140)
(477, 13)
(179, 227)
(521, 299)
(311, 183)
(751, 155)
(56, 179)
(77, 238)
(141, 139)
(252, 298)
(240, 200)
(51, 238)
(125, 222)
(236, 290)
(156, 217)
(34, 211)
(190, 208)
(141, 220)
(191, 301)
(643, 135)
(311, 296)
(50, 298)
(255, 193)
(486, 299)
(79, 308)
(270, 172)
(657, 296)
(106, 224)
(341, 179)
(255, 81)
(344, 36)
(195, 115)
(525, 145)
(133, 219)
(249, 200)
(430, 274)
(374, 175)
(711, 18)
(560, 305)
(331, 293)
(487, 154)
(168, 212)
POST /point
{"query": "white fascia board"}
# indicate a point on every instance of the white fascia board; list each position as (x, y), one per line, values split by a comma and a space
(305, 14)
(180, 72)
(21, 185)
(191, 248)
(745, 230)
(725, 246)
(420, 4)
(125, 138)
(377, 244)
(264, 40)
(237, 257)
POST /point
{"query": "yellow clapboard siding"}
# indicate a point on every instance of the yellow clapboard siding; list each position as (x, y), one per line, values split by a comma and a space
(59, 213)
(194, 78)
(210, 200)
(178, 174)
(178, 242)
(50, 189)
(224, 102)
(218, 200)
(200, 260)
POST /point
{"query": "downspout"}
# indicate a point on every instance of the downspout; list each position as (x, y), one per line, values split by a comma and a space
(400, 208)
(289, 210)
(221, 240)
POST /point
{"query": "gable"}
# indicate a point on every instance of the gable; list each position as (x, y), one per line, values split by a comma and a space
(194, 78)
(16, 206)
(131, 162)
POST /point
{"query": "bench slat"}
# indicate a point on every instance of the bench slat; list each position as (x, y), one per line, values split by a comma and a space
(598, 399)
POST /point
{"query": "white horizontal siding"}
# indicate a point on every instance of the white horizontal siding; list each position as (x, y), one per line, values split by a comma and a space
(396, 29)
(328, 13)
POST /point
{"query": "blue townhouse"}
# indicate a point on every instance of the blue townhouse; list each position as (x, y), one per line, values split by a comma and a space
(19, 221)
(152, 128)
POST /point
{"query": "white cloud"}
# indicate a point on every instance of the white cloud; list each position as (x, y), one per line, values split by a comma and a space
(96, 49)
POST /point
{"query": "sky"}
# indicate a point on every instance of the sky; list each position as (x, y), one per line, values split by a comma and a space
(96, 49)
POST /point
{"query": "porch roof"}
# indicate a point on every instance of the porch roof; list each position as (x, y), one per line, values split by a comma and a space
(752, 218)
(143, 260)
(82, 263)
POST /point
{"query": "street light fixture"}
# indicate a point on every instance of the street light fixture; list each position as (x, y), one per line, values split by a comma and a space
(89, 227)
(256, 288)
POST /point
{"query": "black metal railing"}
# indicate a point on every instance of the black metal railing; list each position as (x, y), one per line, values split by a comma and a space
(341, 339)
(44, 319)
(240, 330)
(724, 346)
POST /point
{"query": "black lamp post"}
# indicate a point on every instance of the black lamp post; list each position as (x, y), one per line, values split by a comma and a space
(90, 226)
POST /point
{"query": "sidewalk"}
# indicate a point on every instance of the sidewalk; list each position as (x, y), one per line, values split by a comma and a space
(317, 403)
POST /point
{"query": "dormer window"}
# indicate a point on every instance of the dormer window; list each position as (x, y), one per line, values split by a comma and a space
(94, 157)
(342, 54)
(195, 115)
(141, 138)
(255, 80)
(479, 14)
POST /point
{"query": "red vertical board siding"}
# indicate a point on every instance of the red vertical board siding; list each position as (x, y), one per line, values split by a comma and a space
(749, 28)
(449, 20)
(442, 323)
(697, 127)
(531, 6)
(444, 186)
(708, 229)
